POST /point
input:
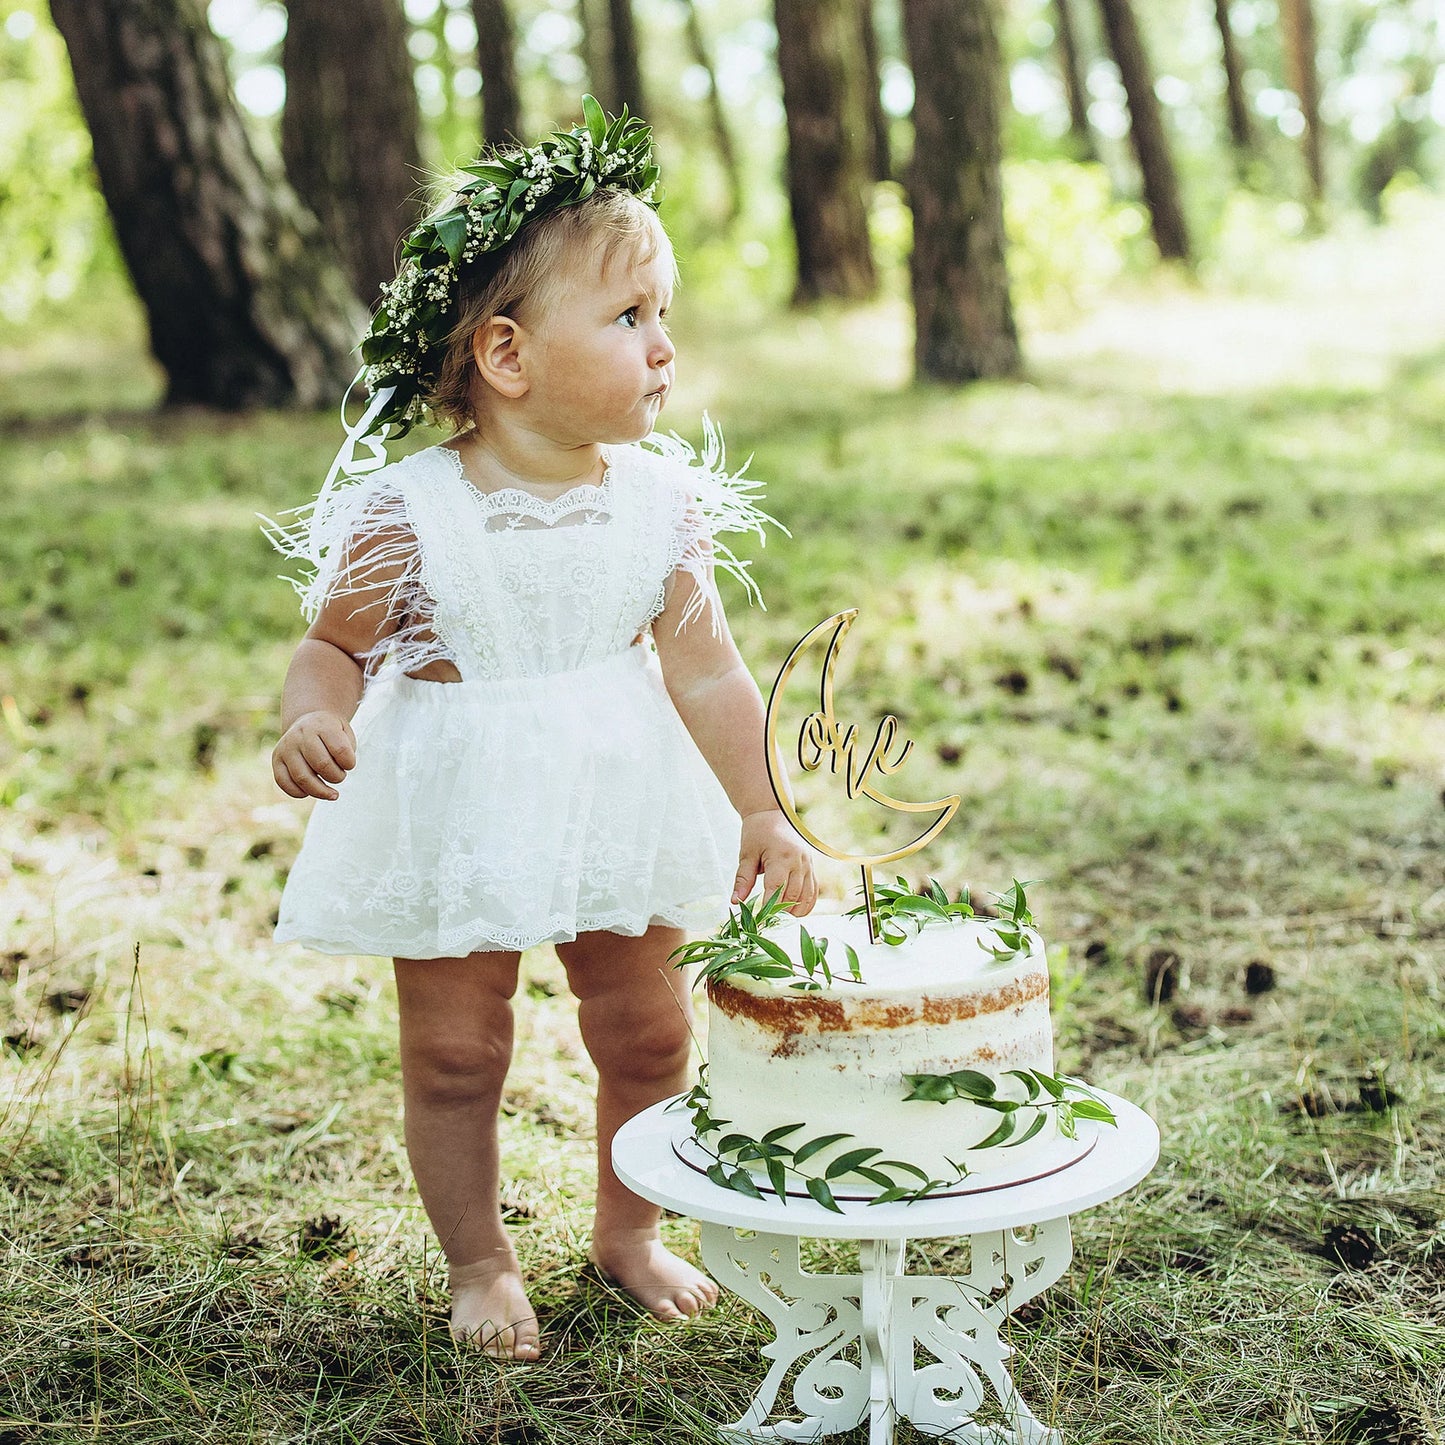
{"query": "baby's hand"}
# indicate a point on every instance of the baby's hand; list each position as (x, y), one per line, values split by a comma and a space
(771, 848)
(318, 749)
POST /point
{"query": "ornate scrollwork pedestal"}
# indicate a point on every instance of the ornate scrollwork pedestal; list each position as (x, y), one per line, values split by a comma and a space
(855, 1339)
(883, 1345)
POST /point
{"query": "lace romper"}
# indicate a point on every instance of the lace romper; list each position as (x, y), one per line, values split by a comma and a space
(553, 790)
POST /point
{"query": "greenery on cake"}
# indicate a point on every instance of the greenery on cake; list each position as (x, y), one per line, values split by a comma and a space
(738, 948)
(897, 1180)
(1068, 1098)
(902, 912)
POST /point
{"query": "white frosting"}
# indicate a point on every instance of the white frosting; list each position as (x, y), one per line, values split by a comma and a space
(835, 1059)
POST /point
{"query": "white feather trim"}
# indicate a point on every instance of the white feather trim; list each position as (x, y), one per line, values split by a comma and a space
(719, 502)
(355, 537)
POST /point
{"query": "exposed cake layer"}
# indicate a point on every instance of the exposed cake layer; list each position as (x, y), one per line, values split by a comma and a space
(835, 1059)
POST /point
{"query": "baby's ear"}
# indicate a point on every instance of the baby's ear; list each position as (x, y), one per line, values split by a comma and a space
(497, 352)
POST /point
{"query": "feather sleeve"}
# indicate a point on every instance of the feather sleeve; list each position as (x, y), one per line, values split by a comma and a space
(356, 540)
(716, 502)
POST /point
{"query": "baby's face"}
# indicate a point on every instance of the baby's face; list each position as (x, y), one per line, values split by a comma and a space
(603, 361)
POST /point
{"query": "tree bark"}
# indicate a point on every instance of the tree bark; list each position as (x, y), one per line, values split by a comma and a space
(717, 116)
(1146, 129)
(964, 324)
(626, 63)
(1075, 90)
(1239, 128)
(881, 153)
(597, 53)
(497, 60)
(247, 301)
(821, 63)
(349, 130)
(1300, 47)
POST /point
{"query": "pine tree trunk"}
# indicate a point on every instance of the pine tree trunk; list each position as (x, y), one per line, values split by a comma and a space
(1239, 129)
(597, 53)
(1300, 47)
(1073, 76)
(626, 64)
(1146, 129)
(497, 60)
(882, 159)
(821, 62)
(349, 130)
(247, 301)
(717, 116)
(962, 310)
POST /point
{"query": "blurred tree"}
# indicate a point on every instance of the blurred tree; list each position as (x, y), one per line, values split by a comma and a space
(1146, 129)
(1298, 17)
(497, 61)
(597, 52)
(1073, 76)
(877, 117)
(1238, 106)
(717, 116)
(626, 63)
(964, 324)
(248, 303)
(820, 59)
(349, 130)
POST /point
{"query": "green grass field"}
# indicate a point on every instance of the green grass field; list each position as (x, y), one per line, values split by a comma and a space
(1168, 615)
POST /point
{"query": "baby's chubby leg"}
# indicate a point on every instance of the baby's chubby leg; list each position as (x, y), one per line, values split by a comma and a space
(634, 1013)
(456, 1044)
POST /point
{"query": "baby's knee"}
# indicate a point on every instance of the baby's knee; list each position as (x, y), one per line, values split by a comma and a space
(654, 1045)
(455, 1070)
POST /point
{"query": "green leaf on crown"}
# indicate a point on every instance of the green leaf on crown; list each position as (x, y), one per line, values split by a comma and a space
(595, 119)
(452, 232)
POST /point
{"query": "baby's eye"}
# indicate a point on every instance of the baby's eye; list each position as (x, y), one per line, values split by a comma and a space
(630, 316)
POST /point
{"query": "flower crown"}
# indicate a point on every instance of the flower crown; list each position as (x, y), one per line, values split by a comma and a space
(405, 348)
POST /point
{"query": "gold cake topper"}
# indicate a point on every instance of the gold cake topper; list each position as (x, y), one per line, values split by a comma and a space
(820, 739)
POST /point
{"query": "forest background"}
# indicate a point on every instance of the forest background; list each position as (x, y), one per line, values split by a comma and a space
(1156, 588)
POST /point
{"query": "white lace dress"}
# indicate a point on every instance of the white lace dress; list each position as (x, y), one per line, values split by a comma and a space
(555, 789)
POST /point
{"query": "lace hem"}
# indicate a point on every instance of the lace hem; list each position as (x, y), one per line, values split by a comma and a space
(627, 922)
(717, 501)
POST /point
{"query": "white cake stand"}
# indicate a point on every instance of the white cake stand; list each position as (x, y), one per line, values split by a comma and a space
(860, 1340)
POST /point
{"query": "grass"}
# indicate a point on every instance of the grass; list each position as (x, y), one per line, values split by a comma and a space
(1167, 615)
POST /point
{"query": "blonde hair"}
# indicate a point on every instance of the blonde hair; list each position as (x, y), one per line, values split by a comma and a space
(522, 280)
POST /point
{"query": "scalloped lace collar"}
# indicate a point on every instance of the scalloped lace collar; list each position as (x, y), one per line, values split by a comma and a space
(584, 493)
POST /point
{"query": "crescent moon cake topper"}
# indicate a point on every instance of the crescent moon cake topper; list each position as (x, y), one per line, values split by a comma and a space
(822, 739)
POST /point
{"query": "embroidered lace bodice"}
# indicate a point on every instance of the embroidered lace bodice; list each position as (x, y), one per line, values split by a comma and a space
(508, 584)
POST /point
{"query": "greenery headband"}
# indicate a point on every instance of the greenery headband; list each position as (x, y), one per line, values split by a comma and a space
(494, 197)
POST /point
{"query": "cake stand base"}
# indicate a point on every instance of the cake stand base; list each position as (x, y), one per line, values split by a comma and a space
(862, 1335)
(882, 1345)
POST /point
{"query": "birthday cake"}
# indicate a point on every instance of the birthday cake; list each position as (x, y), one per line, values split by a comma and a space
(938, 1003)
(904, 1068)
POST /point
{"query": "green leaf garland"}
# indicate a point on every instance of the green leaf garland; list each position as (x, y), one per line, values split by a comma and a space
(739, 948)
(1070, 1099)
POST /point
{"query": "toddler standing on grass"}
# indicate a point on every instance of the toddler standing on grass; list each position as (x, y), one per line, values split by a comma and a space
(518, 701)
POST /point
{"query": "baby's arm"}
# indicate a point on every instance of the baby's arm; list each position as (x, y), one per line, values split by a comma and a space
(325, 680)
(719, 702)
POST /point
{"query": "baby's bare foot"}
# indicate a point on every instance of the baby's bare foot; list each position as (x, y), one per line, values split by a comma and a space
(669, 1288)
(490, 1310)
